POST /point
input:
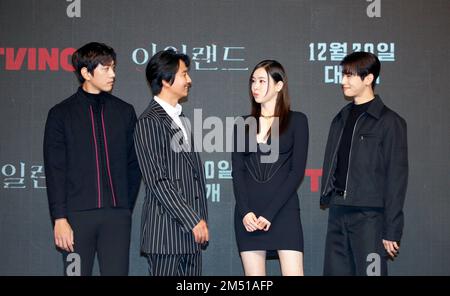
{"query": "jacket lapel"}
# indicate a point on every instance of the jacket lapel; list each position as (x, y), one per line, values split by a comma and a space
(173, 130)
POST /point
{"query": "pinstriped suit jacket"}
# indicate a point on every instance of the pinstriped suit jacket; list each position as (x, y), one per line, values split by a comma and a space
(175, 195)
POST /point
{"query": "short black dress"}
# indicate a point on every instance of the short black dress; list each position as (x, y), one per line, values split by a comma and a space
(270, 189)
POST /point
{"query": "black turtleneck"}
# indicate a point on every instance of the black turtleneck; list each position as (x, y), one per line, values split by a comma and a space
(345, 145)
(97, 102)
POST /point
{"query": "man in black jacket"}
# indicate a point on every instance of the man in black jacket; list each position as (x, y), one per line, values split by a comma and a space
(365, 175)
(91, 168)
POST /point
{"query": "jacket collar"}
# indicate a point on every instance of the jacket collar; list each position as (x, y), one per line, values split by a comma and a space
(375, 108)
(158, 109)
(165, 117)
(171, 110)
(169, 123)
(91, 99)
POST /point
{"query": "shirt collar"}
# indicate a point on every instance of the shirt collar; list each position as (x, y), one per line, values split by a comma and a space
(172, 111)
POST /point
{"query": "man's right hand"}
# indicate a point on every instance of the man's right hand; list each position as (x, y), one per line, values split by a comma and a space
(63, 235)
(201, 233)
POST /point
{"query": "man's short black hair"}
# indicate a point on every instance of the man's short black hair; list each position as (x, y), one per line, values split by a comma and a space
(362, 63)
(164, 66)
(90, 55)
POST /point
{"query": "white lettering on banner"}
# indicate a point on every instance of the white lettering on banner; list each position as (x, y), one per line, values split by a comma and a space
(336, 51)
(15, 176)
(213, 192)
(335, 76)
(209, 169)
(224, 170)
(140, 56)
(210, 57)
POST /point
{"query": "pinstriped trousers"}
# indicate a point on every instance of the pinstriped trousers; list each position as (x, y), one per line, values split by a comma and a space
(175, 265)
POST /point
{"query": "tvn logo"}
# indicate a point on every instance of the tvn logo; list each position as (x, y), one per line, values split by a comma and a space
(36, 59)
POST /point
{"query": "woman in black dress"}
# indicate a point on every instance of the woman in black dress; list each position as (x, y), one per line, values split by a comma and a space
(268, 166)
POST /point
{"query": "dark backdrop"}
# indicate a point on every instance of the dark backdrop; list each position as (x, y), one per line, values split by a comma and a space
(226, 39)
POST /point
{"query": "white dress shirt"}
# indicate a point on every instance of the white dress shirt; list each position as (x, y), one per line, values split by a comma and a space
(174, 113)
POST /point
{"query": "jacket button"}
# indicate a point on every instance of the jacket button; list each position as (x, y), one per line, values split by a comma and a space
(196, 197)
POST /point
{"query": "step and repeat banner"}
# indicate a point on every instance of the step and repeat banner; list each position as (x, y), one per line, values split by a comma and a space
(225, 39)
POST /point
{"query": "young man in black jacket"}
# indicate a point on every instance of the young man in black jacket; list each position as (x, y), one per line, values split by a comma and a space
(91, 168)
(365, 174)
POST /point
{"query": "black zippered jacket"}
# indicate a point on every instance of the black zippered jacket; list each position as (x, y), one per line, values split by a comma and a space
(72, 160)
(378, 165)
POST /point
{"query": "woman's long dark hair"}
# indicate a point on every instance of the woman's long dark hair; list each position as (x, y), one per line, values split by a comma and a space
(283, 104)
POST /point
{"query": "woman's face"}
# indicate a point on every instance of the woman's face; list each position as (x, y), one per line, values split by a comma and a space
(263, 86)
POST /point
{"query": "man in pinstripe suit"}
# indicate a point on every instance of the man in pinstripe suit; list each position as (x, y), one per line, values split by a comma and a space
(174, 214)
